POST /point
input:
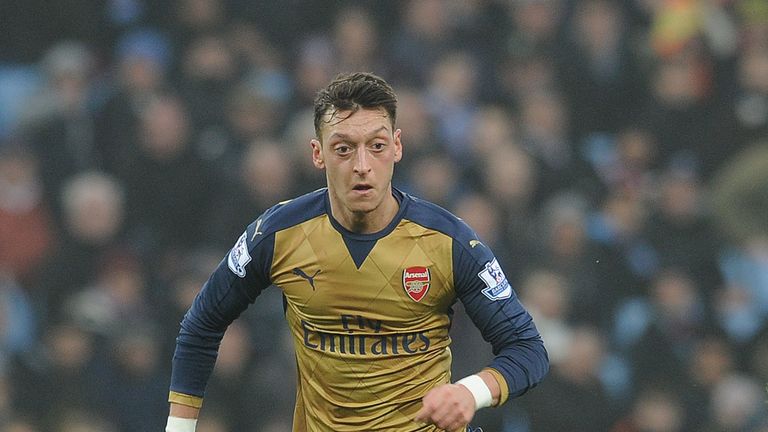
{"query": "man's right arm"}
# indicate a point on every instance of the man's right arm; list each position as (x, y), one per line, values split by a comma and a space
(233, 286)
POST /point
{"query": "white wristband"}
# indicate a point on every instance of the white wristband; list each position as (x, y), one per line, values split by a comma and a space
(178, 424)
(478, 388)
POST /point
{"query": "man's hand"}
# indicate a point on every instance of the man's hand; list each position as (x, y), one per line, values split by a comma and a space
(448, 406)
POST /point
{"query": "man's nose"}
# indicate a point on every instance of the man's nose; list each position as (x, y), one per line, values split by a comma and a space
(362, 164)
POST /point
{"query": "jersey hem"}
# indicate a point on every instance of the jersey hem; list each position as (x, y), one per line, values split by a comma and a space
(185, 399)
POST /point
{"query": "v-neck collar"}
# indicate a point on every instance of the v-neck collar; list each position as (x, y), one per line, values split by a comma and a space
(360, 245)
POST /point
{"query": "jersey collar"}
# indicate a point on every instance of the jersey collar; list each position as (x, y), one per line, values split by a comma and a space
(402, 202)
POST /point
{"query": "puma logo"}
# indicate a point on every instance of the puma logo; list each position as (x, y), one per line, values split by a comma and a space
(256, 230)
(311, 279)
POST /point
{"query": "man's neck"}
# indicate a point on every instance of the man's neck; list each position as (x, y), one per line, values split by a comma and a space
(366, 222)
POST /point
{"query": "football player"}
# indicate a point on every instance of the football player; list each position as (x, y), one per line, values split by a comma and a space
(368, 275)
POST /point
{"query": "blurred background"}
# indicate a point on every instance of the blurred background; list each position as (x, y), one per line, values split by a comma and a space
(614, 155)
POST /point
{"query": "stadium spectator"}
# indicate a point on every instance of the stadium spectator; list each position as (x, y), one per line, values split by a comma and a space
(600, 74)
(26, 222)
(421, 38)
(19, 323)
(66, 360)
(59, 122)
(545, 126)
(433, 177)
(675, 323)
(132, 369)
(142, 62)
(575, 386)
(546, 294)
(117, 297)
(235, 379)
(264, 176)
(712, 360)
(355, 41)
(738, 403)
(452, 101)
(166, 187)
(654, 410)
(94, 206)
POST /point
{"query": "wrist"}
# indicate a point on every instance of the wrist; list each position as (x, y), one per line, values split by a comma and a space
(178, 424)
(479, 390)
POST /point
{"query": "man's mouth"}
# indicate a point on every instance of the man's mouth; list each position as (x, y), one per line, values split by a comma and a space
(362, 187)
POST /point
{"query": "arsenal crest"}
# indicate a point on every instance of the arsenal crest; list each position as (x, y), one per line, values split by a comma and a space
(416, 282)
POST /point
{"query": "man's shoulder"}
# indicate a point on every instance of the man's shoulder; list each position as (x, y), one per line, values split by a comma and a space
(435, 217)
(290, 213)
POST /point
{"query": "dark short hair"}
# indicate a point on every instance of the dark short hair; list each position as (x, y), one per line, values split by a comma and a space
(352, 91)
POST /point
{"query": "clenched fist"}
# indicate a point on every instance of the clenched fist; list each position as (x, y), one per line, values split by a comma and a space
(448, 406)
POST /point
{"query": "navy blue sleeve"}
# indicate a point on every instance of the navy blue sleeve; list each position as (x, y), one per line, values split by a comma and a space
(234, 285)
(493, 306)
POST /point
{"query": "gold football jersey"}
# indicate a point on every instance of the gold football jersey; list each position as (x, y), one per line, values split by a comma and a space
(369, 314)
(367, 349)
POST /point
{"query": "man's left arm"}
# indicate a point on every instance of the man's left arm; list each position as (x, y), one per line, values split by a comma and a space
(520, 361)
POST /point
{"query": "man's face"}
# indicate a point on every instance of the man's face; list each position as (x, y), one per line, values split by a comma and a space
(358, 152)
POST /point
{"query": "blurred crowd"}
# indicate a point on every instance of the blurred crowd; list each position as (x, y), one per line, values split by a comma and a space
(614, 155)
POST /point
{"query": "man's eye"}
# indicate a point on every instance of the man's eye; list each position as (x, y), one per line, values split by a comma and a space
(379, 146)
(343, 149)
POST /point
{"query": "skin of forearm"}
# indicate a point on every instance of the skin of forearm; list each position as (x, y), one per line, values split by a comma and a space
(184, 411)
(492, 384)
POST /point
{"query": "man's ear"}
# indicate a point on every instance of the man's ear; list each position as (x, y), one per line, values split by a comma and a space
(398, 146)
(317, 153)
